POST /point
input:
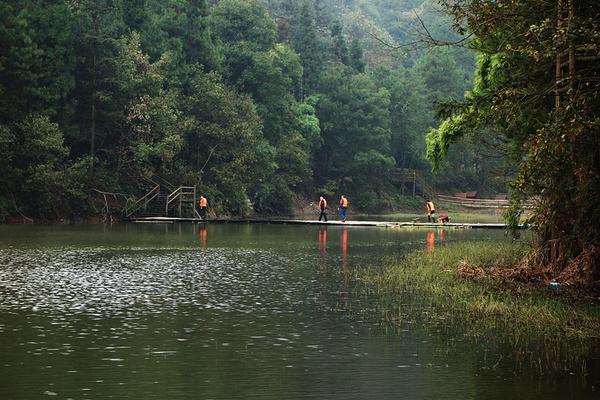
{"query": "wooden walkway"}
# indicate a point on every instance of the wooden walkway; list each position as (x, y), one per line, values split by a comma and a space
(384, 224)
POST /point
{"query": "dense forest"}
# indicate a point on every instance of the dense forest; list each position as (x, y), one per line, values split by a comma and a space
(256, 103)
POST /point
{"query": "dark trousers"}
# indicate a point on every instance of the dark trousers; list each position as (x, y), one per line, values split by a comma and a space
(323, 215)
(343, 213)
(203, 212)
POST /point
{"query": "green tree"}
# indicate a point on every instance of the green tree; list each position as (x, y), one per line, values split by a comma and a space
(555, 139)
(244, 21)
(135, 14)
(272, 74)
(310, 49)
(99, 110)
(441, 75)
(181, 28)
(39, 181)
(36, 59)
(410, 115)
(222, 141)
(340, 48)
(354, 115)
(356, 56)
(154, 125)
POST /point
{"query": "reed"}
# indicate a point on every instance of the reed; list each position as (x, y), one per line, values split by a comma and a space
(520, 309)
(456, 216)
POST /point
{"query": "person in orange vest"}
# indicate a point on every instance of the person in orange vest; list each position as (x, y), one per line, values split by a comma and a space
(430, 211)
(203, 204)
(343, 207)
(323, 208)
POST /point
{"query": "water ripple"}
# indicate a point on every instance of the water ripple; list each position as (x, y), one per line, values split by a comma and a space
(97, 282)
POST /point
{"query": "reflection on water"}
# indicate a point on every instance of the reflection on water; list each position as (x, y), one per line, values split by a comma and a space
(430, 238)
(430, 241)
(257, 312)
(323, 240)
(345, 252)
(202, 234)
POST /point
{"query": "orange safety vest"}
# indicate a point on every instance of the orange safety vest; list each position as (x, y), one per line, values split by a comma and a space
(203, 201)
(323, 203)
(344, 202)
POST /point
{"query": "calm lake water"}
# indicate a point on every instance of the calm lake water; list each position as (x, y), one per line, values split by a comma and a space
(236, 312)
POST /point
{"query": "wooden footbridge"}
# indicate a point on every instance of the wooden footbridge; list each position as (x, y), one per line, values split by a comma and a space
(381, 224)
(165, 203)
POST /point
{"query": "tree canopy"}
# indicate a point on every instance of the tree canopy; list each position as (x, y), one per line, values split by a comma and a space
(254, 102)
(537, 88)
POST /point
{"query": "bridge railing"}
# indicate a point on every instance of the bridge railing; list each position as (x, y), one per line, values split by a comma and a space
(142, 201)
(183, 194)
(415, 179)
(480, 203)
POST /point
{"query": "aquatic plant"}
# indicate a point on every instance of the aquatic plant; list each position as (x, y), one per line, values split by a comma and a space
(470, 286)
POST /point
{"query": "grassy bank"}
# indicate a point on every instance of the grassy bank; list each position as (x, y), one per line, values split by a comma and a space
(520, 309)
(455, 216)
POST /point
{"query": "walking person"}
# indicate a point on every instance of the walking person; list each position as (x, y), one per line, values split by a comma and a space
(343, 208)
(323, 208)
(430, 211)
(203, 202)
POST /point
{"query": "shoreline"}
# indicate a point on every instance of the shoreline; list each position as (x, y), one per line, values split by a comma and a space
(551, 328)
(491, 297)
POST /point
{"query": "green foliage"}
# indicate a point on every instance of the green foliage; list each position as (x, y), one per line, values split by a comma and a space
(250, 107)
(356, 56)
(354, 114)
(39, 175)
(441, 75)
(154, 123)
(309, 123)
(273, 197)
(272, 74)
(410, 114)
(339, 46)
(438, 140)
(528, 314)
(36, 59)
(180, 27)
(220, 141)
(243, 22)
(554, 139)
(310, 48)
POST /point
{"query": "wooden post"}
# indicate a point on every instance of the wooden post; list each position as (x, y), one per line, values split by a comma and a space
(194, 203)
(180, 199)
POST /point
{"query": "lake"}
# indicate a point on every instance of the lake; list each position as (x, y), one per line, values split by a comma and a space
(237, 311)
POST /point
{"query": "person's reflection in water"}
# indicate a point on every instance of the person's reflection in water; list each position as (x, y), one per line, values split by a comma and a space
(443, 235)
(323, 251)
(430, 241)
(323, 240)
(324, 289)
(344, 258)
(203, 236)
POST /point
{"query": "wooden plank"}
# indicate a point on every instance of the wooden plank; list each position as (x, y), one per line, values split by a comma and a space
(386, 224)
